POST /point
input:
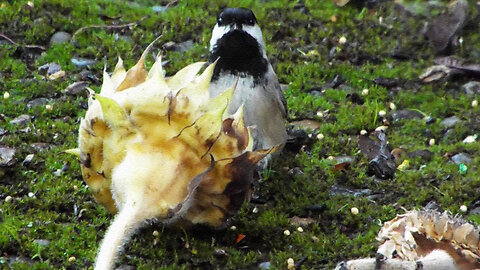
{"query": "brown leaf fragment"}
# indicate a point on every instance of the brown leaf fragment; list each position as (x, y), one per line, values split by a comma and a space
(381, 162)
(341, 166)
(444, 27)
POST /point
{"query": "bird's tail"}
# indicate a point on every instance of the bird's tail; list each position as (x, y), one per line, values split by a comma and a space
(119, 232)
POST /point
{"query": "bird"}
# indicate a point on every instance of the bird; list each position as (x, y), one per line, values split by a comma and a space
(156, 148)
(238, 47)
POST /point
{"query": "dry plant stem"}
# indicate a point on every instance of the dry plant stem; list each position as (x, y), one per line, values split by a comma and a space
(108, 26)
(25, 46)
(122, 227)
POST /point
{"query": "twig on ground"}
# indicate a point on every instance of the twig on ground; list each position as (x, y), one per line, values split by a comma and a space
(108, 26)
(24, 46)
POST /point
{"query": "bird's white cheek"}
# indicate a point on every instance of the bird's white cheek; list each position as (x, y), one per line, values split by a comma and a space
(256, 33)
(217, 33)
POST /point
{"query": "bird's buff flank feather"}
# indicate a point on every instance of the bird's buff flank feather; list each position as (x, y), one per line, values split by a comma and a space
(152, 147)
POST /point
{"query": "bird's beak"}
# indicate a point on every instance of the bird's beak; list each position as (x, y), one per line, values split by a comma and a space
(235, 27)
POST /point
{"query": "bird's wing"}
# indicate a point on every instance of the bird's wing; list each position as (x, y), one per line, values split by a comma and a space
(279, 97)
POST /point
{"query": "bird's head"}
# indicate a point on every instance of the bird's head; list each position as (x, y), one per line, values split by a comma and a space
(237, 34)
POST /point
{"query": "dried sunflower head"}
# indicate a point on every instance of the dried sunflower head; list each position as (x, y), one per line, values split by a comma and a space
(152, 147)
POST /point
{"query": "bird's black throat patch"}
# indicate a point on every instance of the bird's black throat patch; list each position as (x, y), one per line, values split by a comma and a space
(239, 53)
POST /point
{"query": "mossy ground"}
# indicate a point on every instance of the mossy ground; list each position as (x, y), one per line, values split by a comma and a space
(300, 36)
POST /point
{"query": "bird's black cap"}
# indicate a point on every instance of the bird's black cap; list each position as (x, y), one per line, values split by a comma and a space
(241, 16)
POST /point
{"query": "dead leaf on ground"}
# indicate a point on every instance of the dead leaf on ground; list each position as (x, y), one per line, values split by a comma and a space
(458, 63)
(446, 67)
(341, 166)
(444, 27)
(381, 162)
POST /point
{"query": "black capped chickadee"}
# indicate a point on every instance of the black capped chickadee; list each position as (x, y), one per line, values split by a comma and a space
(237, 42)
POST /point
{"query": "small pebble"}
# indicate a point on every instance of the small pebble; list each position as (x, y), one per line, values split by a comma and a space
(58, 172)
(155, 233)
(392, 106)
(470, 139)
(28, 159)
(431, 142)
(75, 187)
(286, 232)
(474, 103)
(342, 40)
(320, 136)
(363, 132)
(382, 113)
(6, 95)
(265, 265)
(233, 228)
(354, 211)
(59, 38)
(300, 229)
(72, 259)
(290, 264)
(31, 194)
(8, 199)
(365, 92)
(333, 18)
(255, 210)
(463, 208)
(320, 114)
(48, 107)
(381, 128)
(56, 75)
(330, 157)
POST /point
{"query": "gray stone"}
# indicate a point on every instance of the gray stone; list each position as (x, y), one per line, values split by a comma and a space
(28, 159)
(7, 156)
(406, 114)
(450, 121)
(49, 68)
(76, 88)
(83, 62)
(265, 265)
(179, 47)
(60, 37)
(21, 120)
(37, 102)
(471, 88)
(462, 158)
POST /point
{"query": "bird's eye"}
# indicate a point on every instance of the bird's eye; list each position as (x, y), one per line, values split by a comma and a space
(219, 21)
(250, 22)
